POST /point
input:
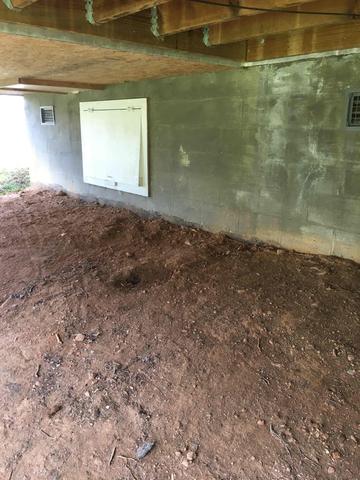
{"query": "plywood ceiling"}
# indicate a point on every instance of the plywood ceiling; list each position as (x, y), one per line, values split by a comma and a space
(56, 60)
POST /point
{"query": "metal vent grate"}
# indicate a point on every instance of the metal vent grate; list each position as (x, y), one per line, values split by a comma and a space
(354, 110)
(47, 115)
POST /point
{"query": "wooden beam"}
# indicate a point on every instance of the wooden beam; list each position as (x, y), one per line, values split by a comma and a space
(50, 86)
(275, 23)
(304, 42)
(18, 4)
(102, 11)
(182, 15)
(39, 82)
(15, 91)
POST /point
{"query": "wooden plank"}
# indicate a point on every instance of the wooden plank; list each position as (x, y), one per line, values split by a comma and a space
(22, 3)
(182, 15)
(303, 42)
(18, 4)
(14, 91)
(275, 23)
(32, 82)
(69, 16)
(108, 10)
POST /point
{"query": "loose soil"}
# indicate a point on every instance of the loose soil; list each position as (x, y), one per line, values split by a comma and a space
(237, 361)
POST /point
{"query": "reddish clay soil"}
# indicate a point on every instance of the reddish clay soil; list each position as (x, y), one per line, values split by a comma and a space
(237, 361)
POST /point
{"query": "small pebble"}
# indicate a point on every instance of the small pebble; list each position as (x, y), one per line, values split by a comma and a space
(336, 455)
(191, 456)
(144, 449)
(79, 337)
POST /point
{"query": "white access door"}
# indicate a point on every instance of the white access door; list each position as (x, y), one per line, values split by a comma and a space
(114, 144)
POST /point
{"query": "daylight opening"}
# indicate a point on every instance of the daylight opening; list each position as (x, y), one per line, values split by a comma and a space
(16, 151)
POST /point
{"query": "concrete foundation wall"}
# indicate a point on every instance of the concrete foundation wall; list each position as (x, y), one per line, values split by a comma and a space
(263, 153)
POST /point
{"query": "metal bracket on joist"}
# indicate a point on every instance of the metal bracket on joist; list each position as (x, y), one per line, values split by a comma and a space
(89, 9)
(206, 30)
(10, 5)
(155, 25)
(206, 36)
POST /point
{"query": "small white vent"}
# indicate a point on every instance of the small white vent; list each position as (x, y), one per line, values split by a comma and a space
(47, 115)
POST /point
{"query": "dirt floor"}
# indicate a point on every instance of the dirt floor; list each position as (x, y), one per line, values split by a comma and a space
(231, 361)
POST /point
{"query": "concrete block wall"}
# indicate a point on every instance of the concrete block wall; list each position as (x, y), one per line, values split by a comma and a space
(262, 153)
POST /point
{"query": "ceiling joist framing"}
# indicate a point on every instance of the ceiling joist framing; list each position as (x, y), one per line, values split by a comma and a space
(237, 33)
(66, 17)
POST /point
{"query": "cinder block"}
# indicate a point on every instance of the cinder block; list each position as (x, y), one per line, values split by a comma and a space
(347, 245)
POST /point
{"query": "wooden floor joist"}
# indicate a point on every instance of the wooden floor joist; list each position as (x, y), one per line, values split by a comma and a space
(329, 38)
(274, 23)
(182, 15)
(102, 11)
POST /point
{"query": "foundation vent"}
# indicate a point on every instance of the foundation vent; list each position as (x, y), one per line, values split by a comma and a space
(354, 110)
(47, 115)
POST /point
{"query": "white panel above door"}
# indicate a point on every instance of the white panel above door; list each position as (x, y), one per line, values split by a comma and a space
(114, 144)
